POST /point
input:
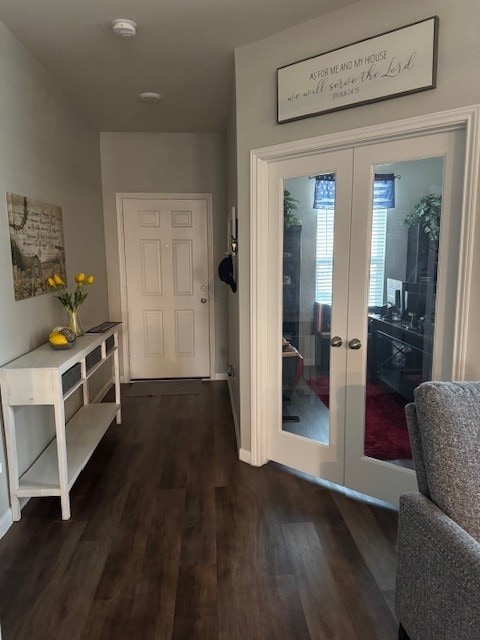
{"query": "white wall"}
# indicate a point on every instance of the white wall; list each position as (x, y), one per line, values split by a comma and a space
(256, 64)
(47, 152)
(166, 163)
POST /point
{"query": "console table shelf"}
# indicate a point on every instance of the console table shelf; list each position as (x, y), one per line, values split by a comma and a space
(83, 433)
(48, 377)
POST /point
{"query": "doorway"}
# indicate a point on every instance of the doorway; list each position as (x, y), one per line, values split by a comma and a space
(348, 376)
(167, 285)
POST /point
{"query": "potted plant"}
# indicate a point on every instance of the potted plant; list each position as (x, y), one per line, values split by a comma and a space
(289, 205)
(427, 214)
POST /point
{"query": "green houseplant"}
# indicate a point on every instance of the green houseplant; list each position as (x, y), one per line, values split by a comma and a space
(427, 214)
(289, 205)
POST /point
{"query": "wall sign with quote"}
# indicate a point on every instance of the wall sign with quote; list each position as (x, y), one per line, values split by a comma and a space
(392, 64)
(36, 239)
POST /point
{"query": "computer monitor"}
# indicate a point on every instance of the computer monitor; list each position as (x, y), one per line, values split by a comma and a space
(419, 299)
(414, 303)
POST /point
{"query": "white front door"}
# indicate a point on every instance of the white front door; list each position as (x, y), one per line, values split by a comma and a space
(166, 255)
(352, 361)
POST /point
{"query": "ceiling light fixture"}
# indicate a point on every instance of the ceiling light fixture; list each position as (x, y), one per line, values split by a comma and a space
(124, 28)
(150, 96)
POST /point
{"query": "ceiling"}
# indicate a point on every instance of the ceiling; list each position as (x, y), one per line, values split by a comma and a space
(183, 50)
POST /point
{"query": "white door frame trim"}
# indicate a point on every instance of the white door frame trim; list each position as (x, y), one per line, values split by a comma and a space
(120, 197)
(467, 118)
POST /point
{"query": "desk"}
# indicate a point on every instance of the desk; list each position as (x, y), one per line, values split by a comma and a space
(292, 369)
(401, 357)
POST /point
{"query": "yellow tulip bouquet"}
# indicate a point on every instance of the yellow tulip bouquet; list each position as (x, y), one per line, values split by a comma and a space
(71, 301)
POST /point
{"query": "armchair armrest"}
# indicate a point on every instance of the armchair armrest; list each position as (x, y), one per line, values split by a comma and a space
(438, 577)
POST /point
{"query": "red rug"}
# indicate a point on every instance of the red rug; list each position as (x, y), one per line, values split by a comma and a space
(386, 435)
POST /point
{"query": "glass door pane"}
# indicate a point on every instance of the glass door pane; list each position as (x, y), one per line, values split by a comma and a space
(406, 221)
(306, 267)
(308, 243)
(402, 295)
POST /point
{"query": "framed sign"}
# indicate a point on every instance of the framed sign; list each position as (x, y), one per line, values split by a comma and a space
(392, 64)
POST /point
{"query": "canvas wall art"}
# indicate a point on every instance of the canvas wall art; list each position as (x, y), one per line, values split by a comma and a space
(386, 66)
(36, 238)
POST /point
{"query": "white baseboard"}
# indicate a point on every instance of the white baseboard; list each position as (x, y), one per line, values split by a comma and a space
(245, 456)
(221, 376)
(234, 412)
(6, 522)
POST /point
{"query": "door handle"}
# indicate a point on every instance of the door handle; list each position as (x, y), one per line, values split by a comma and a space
(354, 343)
(203, 300)
(336, 341)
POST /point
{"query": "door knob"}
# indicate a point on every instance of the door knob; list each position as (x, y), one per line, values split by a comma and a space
(336, 341)
(203, 300)
(355, 343)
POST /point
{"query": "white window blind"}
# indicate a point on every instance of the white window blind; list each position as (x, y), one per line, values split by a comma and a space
(324, 261)
(377, 257)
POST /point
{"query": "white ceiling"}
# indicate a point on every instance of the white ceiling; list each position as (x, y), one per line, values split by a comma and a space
(183, 50)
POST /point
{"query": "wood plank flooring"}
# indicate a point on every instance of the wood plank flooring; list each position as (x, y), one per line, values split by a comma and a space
(171, 537)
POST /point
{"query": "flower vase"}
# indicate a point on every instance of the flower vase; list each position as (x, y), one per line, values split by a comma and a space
(75, 324)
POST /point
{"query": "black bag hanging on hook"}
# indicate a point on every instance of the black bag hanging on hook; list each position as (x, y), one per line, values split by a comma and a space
(225, 272)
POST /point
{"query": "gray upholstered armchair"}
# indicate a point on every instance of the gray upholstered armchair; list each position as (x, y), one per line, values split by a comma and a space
(438, 577)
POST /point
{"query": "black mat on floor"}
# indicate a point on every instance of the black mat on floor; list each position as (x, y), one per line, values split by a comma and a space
(165, 388)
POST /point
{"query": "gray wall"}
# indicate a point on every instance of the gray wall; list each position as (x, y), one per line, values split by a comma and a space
(48, 153)
(256, 64)
(166, 163)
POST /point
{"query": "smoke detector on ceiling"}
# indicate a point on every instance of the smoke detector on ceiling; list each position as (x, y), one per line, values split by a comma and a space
(149, 96)
(124, 28)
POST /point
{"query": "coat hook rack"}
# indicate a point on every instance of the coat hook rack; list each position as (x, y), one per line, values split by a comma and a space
(232, 243)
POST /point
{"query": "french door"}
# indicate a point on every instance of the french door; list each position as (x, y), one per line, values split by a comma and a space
(366, 301)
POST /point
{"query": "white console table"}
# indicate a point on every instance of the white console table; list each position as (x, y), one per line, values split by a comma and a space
(48, 377)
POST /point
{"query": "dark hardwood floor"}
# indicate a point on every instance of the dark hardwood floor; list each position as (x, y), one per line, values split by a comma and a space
(172, 537)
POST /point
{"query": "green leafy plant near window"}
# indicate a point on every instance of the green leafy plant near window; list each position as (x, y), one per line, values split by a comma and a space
(427, 215)
(289, 205)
